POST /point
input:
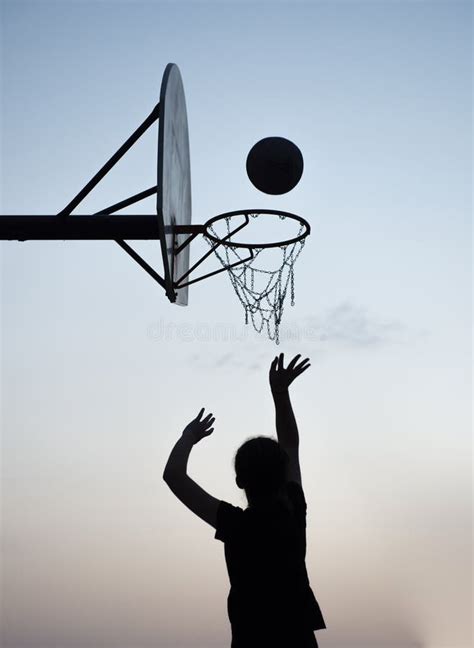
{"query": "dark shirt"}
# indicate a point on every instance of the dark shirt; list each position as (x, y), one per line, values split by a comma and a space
(265, 551)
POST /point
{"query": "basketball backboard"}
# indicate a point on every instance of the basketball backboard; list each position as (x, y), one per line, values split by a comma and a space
(174, 181)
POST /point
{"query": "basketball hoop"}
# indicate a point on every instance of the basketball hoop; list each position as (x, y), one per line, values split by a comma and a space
(261, 291)
(274, 166)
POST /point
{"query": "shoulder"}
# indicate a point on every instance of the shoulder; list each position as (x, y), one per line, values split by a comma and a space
(229, 520)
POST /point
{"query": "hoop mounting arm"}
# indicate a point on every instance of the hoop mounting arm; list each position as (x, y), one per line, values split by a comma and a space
(97, 227)
(194, 230)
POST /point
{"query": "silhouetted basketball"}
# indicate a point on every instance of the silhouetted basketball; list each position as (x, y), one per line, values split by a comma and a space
(274, 165)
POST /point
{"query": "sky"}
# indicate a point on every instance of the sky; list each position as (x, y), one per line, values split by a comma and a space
(100, 373)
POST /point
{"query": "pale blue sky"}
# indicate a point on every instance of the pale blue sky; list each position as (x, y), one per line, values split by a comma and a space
(100, 373)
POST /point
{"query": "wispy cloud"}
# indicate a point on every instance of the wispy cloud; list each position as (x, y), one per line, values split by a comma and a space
(346, 325)
(353, 325)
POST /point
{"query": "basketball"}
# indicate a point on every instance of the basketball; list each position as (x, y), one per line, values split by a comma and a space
(274, 165)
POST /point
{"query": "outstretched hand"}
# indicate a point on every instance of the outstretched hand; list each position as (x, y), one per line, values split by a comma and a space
(199, 427)
(281, 378)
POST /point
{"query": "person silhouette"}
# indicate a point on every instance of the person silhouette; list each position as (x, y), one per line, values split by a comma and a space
(270, 603)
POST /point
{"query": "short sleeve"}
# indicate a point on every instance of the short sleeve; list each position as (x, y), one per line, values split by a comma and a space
(229, 521)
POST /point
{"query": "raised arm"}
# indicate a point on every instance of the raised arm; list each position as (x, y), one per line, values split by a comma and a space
(286, 427)
(175, 473)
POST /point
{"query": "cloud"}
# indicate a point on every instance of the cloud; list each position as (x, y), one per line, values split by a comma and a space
(223, 360)
(345, 325)
(353, 325)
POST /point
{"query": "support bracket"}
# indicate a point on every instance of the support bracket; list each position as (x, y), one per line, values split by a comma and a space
(194, 230)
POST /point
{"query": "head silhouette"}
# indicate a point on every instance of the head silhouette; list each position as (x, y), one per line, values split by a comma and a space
(260, 468)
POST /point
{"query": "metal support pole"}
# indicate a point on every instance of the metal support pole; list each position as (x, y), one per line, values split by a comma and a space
(102, 225)
(79, 228)
(129, 201)
(141, 262)
(151, 119)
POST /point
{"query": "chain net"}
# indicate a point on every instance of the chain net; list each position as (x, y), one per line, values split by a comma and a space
(261, 292)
